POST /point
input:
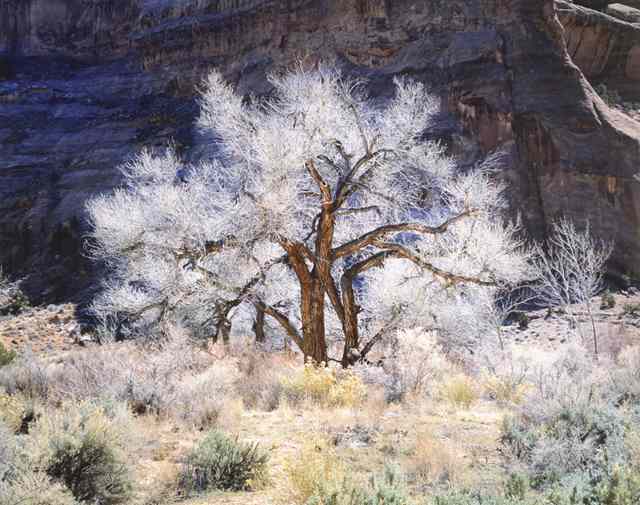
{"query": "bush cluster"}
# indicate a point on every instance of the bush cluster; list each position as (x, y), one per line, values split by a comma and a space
(574, 430)
(6, 356)
(83, 446)
(219, 462)
(74, 454)
(388, 489)
(324, 385)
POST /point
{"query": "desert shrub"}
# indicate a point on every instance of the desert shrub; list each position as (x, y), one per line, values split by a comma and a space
(28, 375)
(35, 488)
(517, 486)
(8, 452)
(84, 448)
(324, 385)
(314, 471)
(413, 361)
(607, 300)
(219, 462)
(623, 386)
(468, 498)
(460, 390)
(6, 356)
(259, 384)
(631, 309)
(388, 489)
(609, 95)
(622, 488)
(199, 399)
(150, 378)
(12, 298)
(506, 386)
(571, 425)
(522, 318)
(17, 412)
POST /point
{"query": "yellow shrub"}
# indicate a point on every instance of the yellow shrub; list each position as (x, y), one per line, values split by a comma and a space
(314, 466)
(504, 390)
(324, 385)
(460, 391)
(14, 410)
(348, 391)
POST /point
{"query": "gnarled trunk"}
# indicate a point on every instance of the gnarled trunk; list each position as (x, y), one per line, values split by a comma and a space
(313, 328)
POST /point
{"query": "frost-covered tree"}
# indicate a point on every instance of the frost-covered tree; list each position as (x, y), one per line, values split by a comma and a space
(571, 269)
(323, 210)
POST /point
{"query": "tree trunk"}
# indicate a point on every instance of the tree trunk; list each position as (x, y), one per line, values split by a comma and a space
(313, 329)
(349, 323)
(258, 326)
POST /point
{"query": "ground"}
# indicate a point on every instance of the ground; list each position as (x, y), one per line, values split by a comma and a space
(437, 441)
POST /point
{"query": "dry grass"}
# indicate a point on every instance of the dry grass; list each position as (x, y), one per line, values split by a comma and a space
(340, 424)
(315, 464)
(435, 460)
(460, 391)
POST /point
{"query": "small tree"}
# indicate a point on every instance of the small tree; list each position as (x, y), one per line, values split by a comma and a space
(312, 191)
(571, 269)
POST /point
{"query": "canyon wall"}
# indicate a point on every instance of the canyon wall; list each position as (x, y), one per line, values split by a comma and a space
(84, 84)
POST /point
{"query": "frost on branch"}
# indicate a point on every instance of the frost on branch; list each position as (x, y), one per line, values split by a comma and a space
(323, 212)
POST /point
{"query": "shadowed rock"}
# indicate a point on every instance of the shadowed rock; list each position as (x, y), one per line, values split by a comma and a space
(84, 84)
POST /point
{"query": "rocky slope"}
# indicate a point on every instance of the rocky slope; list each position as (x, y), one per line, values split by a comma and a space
(85, 83)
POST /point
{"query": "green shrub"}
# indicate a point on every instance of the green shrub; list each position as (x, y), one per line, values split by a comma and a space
(622, 488)
(631, 309)
(466, 498)
(522, 318)
(389, 489)
(15, 303)
(572, 426)
(83, 448)
(607, 301)
(6, 356)
(220, 462)
(516, 487)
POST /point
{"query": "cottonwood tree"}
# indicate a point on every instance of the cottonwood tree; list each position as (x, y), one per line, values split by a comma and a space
(571, 269)
(323, 211)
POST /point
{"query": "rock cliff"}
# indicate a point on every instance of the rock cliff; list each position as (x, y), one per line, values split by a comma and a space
(85, 83)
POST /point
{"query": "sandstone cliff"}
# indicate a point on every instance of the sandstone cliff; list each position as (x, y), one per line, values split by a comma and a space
(85, 83)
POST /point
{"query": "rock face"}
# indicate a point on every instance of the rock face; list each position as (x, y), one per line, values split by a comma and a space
(624, 12)
(86, 83)
(606, 48)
